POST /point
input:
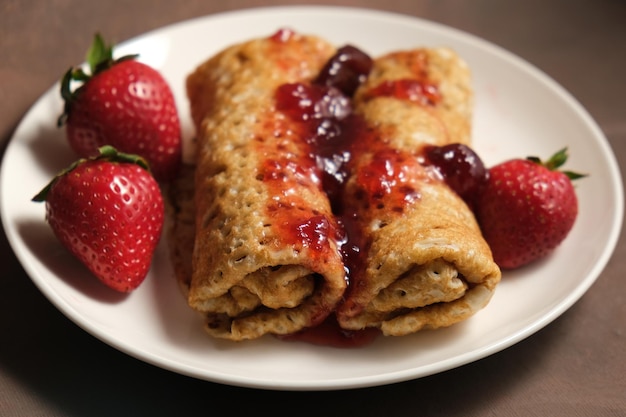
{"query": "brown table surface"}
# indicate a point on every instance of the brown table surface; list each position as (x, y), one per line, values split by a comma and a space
(576, 366)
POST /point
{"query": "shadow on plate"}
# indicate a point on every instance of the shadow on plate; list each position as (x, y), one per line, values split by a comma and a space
(50, 149)
(61, 264)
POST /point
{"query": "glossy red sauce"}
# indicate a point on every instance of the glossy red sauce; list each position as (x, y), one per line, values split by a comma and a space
(314, 233)
(282, 35)
(287, 170)
(389, 179)
(329, 333)
(328, 146)
(417, 91)
(461, 168)
(417, 87)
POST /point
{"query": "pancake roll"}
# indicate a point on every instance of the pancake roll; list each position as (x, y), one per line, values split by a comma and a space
(419, 259)
(257, 242)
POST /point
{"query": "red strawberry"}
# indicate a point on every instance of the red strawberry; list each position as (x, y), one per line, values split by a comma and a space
(527, 208)
(108, 211)
(123, 103)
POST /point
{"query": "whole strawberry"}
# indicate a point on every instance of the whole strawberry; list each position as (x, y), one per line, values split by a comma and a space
(123, 103)
(527, 208)
(108, 211)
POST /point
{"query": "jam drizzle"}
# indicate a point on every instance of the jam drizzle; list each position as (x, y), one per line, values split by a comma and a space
(417, 87)
(329, 333)
(287, 170)
(329, 146)
(416, 91)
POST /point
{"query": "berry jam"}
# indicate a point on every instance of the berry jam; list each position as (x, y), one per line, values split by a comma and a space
(314, 140)
(320, 114)
(330, 334)
(345, 70)
(310, 102)
(461, 168)
(282, 35)
(389, 179)
(285, 169)
(417, 87)
(332, 140)
(416, 91)
(314, 232)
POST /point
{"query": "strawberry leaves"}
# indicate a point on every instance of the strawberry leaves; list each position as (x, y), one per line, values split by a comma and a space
(106, 153)
(99, 55)
(556, 161)
(99, 58)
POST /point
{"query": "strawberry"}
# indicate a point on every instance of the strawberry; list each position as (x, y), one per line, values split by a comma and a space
(123, 103)
(527, 208)
(108, 211)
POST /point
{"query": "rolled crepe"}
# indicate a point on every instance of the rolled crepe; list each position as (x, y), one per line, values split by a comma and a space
(265, 256)
(421, 260)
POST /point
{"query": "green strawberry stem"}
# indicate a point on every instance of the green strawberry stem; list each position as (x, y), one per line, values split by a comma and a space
(106, 153)
(99, 54)
(99, 58)
(556, 161)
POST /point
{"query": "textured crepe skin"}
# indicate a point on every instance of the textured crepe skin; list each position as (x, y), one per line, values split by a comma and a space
(426, 265)
(247, 277)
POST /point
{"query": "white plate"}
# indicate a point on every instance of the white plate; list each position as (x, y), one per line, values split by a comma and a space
(519, 111)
